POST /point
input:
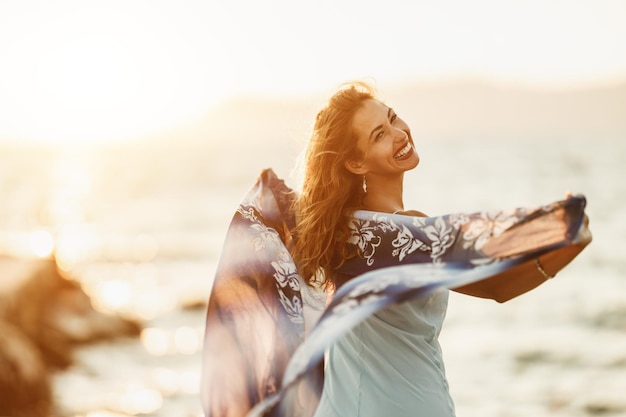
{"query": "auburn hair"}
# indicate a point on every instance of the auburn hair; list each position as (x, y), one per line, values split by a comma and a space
(330, 193)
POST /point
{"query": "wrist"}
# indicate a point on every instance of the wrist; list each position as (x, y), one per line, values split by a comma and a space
(541, 270)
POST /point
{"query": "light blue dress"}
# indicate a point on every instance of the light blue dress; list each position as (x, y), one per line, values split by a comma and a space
(390, 365)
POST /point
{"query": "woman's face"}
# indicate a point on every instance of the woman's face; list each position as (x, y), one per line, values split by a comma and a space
(384, 140)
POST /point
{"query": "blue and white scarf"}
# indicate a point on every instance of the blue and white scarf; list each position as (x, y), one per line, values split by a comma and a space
(257, 360)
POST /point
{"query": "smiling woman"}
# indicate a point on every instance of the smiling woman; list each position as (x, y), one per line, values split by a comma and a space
(94, 74)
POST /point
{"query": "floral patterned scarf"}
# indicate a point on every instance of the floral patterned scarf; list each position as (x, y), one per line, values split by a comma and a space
(257, 360)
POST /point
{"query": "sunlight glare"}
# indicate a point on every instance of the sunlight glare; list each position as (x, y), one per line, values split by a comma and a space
(156, 341)
(113, 295)
(140, 400)
(42, 243)
(83, 73)
(150, 302)
(167, 380)
(187, 340)
(190, 381)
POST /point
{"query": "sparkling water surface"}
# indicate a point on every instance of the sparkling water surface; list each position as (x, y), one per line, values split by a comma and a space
(142, 228)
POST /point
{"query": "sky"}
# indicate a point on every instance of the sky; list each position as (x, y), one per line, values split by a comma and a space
(97, 71)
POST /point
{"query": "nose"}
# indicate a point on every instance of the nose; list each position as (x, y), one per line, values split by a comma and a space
(399, 135)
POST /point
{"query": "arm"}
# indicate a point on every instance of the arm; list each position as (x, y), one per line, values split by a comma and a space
(522, 278)
(556, 232)
(528, 275)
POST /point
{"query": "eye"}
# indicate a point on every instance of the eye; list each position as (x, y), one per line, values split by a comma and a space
(379, 135)
(393, 118)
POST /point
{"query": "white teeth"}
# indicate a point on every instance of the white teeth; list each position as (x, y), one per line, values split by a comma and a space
(402, 152)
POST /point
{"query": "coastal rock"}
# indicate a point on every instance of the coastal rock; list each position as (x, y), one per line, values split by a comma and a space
(24, 381)
(43, 317)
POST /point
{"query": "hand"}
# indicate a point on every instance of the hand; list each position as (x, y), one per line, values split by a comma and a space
(584, 234)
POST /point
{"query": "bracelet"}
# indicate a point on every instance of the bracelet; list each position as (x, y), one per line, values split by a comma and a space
(543, 271)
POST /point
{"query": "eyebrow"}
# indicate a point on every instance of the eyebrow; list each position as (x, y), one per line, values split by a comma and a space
(377, 128)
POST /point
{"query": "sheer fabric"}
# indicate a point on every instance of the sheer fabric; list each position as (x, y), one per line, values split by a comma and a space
(257, 360)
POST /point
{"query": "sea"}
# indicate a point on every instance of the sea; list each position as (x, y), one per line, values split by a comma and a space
(141, 225)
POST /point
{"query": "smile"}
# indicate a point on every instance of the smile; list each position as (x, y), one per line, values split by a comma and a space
(404, 151)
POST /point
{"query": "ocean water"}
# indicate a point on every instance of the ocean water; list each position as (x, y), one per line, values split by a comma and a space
(141, 227)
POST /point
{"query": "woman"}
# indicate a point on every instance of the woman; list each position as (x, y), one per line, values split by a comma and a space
(386, 269)
(391, 363)
(356, 159)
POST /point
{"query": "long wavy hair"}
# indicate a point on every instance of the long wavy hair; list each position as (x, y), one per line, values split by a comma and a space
(329, 191)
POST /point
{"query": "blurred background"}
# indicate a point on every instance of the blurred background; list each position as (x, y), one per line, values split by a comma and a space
(130, 130)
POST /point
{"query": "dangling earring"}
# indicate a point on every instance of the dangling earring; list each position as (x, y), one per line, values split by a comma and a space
(364, 185)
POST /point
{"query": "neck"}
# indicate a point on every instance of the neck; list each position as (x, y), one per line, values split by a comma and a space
(384, 194)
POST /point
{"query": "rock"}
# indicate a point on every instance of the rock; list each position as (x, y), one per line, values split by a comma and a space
(24, 382)
(43, 317)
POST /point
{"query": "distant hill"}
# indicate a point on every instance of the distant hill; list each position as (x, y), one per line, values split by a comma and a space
(469, 109)
(456, 111)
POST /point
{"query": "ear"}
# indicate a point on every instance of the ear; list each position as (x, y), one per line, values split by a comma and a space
(355, 167)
